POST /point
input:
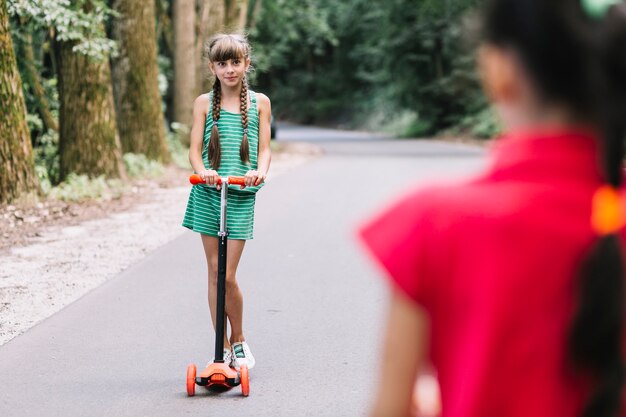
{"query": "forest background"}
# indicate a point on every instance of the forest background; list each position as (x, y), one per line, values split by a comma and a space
(93, 92)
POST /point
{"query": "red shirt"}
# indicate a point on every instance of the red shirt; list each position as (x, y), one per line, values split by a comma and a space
(493, 260)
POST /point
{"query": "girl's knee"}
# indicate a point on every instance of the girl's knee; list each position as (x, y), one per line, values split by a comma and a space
(231, 280)
(212, 266)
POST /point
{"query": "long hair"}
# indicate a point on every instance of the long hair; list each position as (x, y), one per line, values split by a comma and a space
(223, 47)
(578, 59)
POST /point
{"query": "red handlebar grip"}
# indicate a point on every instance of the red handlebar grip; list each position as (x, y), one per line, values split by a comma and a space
(196, 179)
(236, 180)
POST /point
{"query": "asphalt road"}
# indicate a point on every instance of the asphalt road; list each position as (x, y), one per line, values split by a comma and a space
(314, 305)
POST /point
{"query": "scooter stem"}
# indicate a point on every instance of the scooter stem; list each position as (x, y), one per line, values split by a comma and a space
(220, 320)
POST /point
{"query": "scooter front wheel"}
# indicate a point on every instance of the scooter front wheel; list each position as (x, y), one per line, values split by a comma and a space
(245, 380)
(191, 380)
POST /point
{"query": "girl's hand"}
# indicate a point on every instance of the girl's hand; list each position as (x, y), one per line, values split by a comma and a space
(253, 178)
(211, 177)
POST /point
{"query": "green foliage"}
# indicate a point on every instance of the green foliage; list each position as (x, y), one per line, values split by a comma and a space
(396, 65)
(139, 166)
(45, 184)
(175, 139)
(81, 188)
(481, 125)
(78, 21)
(292, 45)
(407, 124)
(32, 48)
(166, 73)
(34, 122)
(47, 160)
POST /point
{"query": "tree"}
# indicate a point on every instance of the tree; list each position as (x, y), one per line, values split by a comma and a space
(77, 21)
(368, 63)
(184, 13)
(17, 170)
(211, 17)
(32, 77)
(236, 14)
(254, 8)
(89, 142)
(135, 83)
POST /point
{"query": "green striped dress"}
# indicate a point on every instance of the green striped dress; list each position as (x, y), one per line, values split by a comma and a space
(203, 208)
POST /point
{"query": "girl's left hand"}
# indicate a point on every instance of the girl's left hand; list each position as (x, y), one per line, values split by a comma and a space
(253, 178)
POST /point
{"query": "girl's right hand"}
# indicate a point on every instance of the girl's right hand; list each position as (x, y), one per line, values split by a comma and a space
(211, 177)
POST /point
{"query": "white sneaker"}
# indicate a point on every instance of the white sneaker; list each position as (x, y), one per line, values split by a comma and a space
(228, 358)
(242, 355)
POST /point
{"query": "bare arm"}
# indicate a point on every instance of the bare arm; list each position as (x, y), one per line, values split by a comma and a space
(200, 108)
(404, 353)
(264, 155)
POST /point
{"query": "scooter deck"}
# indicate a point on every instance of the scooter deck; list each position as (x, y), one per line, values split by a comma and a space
(218, 374)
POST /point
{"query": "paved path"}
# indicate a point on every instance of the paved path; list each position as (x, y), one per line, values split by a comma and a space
(313, 313)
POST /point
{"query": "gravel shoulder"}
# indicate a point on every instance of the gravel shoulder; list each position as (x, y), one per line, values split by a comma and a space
(52, 253)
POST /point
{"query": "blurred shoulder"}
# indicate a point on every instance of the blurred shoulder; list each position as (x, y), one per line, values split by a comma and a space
(425, 201)
(446, 203)
(437, 196)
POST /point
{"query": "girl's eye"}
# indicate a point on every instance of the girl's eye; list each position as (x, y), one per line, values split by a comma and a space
(236, 62)
(221, 64)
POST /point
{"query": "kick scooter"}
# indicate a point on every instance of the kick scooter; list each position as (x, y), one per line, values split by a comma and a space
(218, 375)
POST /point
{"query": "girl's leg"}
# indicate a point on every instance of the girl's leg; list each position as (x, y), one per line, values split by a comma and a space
(234, 297)
(211, 245)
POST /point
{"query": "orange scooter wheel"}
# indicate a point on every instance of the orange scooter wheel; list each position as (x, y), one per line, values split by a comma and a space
(191, 380)
(245, 380)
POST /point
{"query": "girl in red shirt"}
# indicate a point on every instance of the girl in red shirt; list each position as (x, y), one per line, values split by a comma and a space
(511, 284)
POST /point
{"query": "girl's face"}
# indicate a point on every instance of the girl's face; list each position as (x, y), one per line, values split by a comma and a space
(230, 72)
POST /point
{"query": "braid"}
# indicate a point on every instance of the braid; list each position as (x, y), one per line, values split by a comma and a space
(244, 150)
(215, 150)
(596, 334)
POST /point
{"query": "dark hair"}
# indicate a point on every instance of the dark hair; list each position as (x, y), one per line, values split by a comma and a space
(223, 47)
(578, 60)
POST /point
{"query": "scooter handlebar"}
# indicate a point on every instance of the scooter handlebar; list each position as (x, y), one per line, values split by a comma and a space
(197, 179)
(235, 180)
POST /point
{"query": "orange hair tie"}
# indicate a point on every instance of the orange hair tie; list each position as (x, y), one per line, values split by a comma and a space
(607, 216)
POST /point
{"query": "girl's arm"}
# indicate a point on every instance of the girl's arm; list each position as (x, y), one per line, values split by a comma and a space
(404, 353)
(264, 156)
(200, 108)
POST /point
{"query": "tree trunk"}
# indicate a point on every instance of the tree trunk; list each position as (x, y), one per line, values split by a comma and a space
(165, 40)
(135, 81)
(243, 14)
(89, 142)
(203, 29)
(34, 80)
(17, 169)
(236, 13)
(212, 20)
(254, 14)
(184, 61)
